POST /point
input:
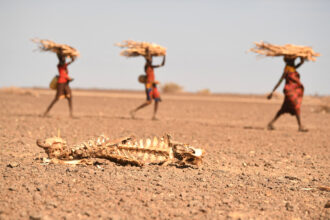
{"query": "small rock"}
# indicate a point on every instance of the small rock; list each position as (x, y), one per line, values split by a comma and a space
(36, 197)
(292, 178)
(268, 194)
(13, 164)
(308, 157)
(35, 217)
(51, 205)
(268, 165)
(327, 205)
(236, 215)
(288, 207)
(114, 216)
(305, 180)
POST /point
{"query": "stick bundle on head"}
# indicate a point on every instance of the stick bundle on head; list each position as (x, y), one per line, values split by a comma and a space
(290, 50)
(63, 49)
(139, 49)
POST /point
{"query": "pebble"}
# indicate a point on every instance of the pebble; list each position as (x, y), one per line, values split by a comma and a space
(305, 180)
(13, 164)
(327, 205)
(288, 207)
(292, 178)
(36, 197)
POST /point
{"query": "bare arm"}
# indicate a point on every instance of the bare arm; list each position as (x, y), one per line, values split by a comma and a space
(276, 86)
(72, 60)
(162, 64)
(302, 60)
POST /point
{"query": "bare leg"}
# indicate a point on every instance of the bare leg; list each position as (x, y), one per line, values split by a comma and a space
(301, 128)
(50, 106)
(140, 107)
(155, 110)
(70, 105)
(270, 124)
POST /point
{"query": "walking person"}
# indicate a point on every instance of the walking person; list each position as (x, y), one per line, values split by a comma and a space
(152, 92)
(293, 91)
(63, 89)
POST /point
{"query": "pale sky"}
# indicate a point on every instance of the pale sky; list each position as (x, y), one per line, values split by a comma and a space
(206, 42)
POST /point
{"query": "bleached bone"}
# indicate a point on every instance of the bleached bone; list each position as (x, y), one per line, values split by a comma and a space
(123, 151)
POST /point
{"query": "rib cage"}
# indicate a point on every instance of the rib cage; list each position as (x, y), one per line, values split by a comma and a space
(124, 151)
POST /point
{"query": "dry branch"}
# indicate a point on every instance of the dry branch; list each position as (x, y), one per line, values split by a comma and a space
(48, 45)
(273, 50)
(139, 48)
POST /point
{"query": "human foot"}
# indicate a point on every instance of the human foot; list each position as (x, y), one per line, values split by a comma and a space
(302, 129)
(270, 126)
(154, 118)
(132, 113)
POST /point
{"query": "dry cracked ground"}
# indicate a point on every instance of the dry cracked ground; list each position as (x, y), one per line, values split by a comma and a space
(248, 171)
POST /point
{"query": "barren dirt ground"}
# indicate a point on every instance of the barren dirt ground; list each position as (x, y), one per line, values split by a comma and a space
(248, 171)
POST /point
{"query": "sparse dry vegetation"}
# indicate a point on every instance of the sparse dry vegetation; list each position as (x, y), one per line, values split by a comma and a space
(19, 91)
(324, 108)
(204, 92)
(171, 88)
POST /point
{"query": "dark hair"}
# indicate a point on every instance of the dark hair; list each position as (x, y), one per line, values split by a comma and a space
(289, 60)
(61, 58)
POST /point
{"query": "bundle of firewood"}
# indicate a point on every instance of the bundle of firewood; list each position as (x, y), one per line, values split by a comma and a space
(63, 49)
(140, 49)
(285, 50)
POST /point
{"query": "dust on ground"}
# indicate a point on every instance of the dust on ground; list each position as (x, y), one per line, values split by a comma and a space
(248, 171)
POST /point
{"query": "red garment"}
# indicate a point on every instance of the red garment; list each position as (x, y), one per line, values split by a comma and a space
(150, 74)
(153, 93)
(63, 71)
(151, 88)
(293, 91)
